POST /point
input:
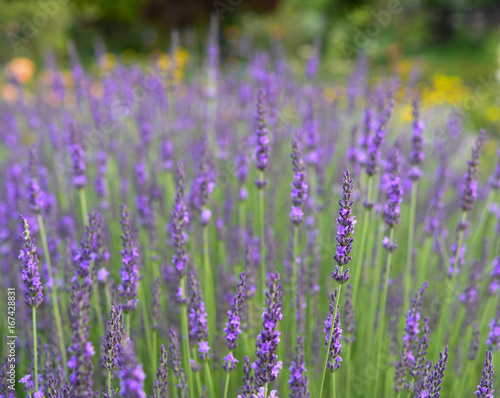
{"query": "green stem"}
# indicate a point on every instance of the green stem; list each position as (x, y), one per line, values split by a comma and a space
(294, 285)
(35, 348)
(83, 205)
(381, 317)
(209, 378)
(53, 293)
(226, 386)
(155, 345)
(185, 338)
(262, 247)
(330, 336)
(349, 370)
(128, 324)
(209, 283)
(334, 389)
(409, 252)
(109, 383)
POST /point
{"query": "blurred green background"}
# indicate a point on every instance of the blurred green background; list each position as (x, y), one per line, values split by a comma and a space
(455, 44)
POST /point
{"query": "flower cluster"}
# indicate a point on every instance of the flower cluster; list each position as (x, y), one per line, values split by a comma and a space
(262, 141)
(299, 185)
(180, 219)
(335, 349)
(32, 284)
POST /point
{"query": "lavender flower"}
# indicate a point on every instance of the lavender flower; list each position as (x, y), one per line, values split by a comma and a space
(376, 141)
(78, 159)
(349, 317)
(36, 195)
(248, 386)
(81, 349)
(131, 376)
(241, 164)
(161, 382)
(474, 343)
(493, 340)
(129, 271)
(267, 367)
(431, 384)
(262, 141)
(485, 388)
(417, 155)
(469, 193)
(32, 285)
(345, 230)
(175, 362)
(232, 328)
(180, 219)
(335, 349)
(494, 179)
(392, 212)
(114, 337)
(203, 186)
(410, 340)
(155, 305)
(197, 317)
(418, 365)
(101, 185)
(299, 383)
(299, 185)
(229, 362)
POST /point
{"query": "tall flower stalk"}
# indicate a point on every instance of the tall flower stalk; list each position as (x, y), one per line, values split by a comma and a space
(36, 198)
(417, 156)
(32, 286)
(180, 258)
(299, 197)
(261, 156)
(345, 229)
(79, 179)
(392, 214)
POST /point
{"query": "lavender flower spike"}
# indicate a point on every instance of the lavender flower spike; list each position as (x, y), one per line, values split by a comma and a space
(114, 336)
(36, 195)
(78, 158)
(175, 362)
(469, 193)
(262, 141)
(180, 219)
(376, 141)
(392, 211)
(299, 185)
(32, 285)
(417, 155)
(198, 325)
(232, 328)
(299, 383)
(129, 271)
(161, 382)
(345, 230)
(485, 388)
(335, 349)
(267, 367)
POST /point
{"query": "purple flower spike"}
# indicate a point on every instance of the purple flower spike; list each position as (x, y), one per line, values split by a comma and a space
(232, 328)
(129, 271)
(345, 229)
(392, 212)
(203, 185)
(299, 383)
(474, 342)
(493, 340)
(32, 285)
(161, 382)
(299, 185)
(229, 362)
(36, 195)
(114, 336)
(198, 325)
(376, 141)
(267, 367)
(131, 376)
(495, 177)
(417, 155)
(349, 317)
(180, 219)
(485, 388)
(175, 362)
(409, 352)
(248, 386)
(469, 193)
(431, 384)
(335, 349)
(78, 159)
(81, 349)
(262, 140)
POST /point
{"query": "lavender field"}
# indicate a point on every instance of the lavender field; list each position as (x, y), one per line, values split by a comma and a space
(258, 232)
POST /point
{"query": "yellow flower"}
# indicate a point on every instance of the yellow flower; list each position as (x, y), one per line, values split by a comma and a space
(22, 69)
